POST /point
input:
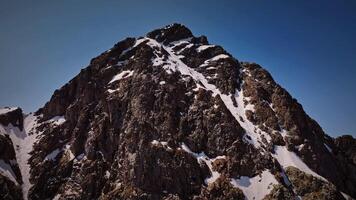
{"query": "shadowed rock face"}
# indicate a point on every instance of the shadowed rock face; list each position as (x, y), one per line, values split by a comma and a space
(13, 117)
(169, 116)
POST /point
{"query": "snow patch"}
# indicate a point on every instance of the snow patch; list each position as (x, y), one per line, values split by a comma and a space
(53, 155)
(256, 187)
(112, 91)
(57, 120)
(164, 144)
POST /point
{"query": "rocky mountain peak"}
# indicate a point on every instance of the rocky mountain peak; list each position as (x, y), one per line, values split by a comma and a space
(170, 116)
(170, 33)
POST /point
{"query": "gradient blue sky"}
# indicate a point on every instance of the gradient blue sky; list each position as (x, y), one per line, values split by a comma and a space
(309, 47)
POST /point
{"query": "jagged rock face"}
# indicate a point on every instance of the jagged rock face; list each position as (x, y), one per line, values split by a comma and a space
(10, 175)
(169, 116)
(12, 116)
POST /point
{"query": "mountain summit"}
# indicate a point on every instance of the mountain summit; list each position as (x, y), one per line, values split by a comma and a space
(170, 116)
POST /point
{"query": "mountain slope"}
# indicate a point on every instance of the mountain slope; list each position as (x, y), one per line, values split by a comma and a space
(170, 116)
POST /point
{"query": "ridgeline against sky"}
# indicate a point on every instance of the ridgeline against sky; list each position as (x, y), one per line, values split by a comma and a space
(308, 47)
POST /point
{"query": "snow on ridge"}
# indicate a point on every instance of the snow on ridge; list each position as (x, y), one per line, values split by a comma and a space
(122, 75)
(7, 109)
(139, 41)
(215, 58)
(204, 47)
(256, 187)
(201, 157)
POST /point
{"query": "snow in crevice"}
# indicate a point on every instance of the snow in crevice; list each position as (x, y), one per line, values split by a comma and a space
(122, 75)
(255, 187)
(201, 157)
(328, 148)
(346, 196)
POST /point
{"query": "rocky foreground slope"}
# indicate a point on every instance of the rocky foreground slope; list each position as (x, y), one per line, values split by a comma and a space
(170, 116)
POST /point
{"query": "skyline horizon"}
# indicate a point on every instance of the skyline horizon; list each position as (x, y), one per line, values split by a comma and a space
(310, 55)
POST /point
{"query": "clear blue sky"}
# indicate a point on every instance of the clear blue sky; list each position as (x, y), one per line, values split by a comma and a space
(309, 47)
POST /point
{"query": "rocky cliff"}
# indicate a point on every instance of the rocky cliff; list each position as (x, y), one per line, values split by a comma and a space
(170, 116)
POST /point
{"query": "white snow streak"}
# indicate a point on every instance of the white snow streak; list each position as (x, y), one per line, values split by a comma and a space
(328, 148)
(204, 47)
(121, 75)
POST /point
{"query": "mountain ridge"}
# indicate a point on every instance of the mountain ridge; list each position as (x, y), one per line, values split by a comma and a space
(172, 104)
